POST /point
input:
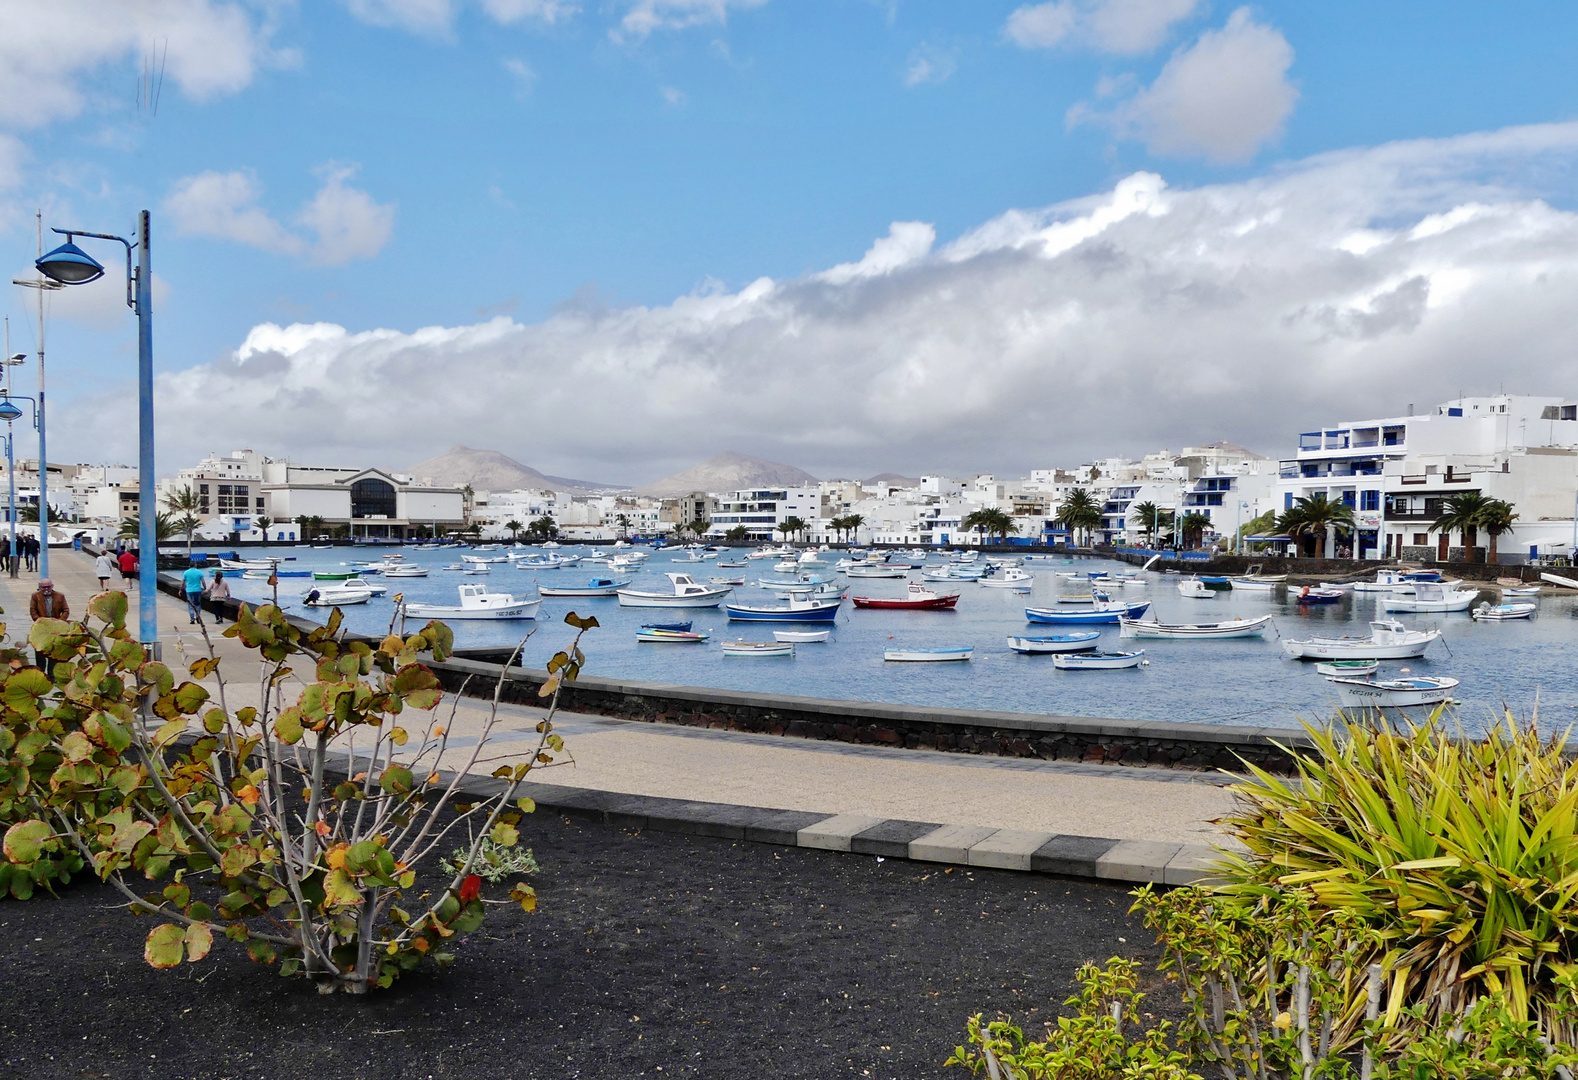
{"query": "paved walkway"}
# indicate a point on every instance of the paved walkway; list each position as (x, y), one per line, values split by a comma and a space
(675, 762)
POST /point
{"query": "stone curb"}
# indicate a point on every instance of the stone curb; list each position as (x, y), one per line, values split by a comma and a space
(861, 834)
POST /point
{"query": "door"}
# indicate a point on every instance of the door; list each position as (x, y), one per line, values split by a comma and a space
(1442, 545)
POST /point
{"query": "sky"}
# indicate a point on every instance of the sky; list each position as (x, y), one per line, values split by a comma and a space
(613, 237)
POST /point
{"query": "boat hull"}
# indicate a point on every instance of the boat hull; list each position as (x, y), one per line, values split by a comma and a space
(802, 636)
(711, 598)
(1317, 649)
(935, 603)
(1057, 643)
(524, 609)
(758, 648)
(817, 613)
(1074, 618)
(926, 656)
(1236, 628)
(583, 590)
(1393, 693)
(1098, 661)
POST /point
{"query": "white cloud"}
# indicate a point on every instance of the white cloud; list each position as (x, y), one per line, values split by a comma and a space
(349, 224)
(1125, 27)
(1222, 98)
(1349, 284)
(224, 206)
(548, 12)
(418, 16)
(522, 74)
(645, 16)
(214, 48)
(673, 95)
(929, 64)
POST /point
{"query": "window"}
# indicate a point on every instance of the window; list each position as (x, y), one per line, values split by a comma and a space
(1421, 539)
(1569, 412)
(372, 498)
(1348, 498)
(226, 500)
(1454, 412)
(1370, 500)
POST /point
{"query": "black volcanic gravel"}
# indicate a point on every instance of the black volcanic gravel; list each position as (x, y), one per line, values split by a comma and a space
(650, 955)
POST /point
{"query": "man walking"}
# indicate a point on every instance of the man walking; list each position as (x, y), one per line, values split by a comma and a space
(46, 603)
(129, 566)
(192, 582)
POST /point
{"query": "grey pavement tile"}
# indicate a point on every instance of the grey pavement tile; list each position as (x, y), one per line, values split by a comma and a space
(891, 839)
(1136, 860)
(781, 826)
(1075, 856)
(836, 832)
(1194, 863)
(1008, 849)
(949, 844)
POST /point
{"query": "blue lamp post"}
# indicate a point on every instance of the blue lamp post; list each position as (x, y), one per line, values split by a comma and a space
(9, 412)
(70, 265)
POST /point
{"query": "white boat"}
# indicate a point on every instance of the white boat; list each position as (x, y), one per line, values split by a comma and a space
(716, 579)
(758, 648)
(1194, 589)
(1557, 579)
(1231, 628)
(248, 564)
(1098, 661)
(1503, 612)
(927, 656)
(336, 597)
(1055, 643)
(406, 571)
(1520, 590)
(477, 570)
(479, 560)
(1012, 578)
(477, 603)
(881, 570)
(1396, 693)
(1348, 669)
(1252, 585)
(1431, 596)
(802, 636)
(595, 587)
(1337, 586)
(686, 591)
(1388, 640)
(1075, 598)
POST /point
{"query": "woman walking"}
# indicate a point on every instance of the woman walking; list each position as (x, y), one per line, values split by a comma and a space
(104, 566)
(218, 591)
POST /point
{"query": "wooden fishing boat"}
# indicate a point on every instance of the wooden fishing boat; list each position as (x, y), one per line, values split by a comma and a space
(919, 598)
(928, 656)
(1503, 612)
(1231, 628)
(477, 603)
(1108, 612)
(1098, 661)
(685, 592)
(802, 636)
(657, 636)
(1388, 640)
(758, 648)
(597, 586)
(1054, 643)
(1393, 693)
(1348, 669)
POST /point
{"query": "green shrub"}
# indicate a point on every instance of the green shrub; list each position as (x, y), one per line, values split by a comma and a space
(1454, 862)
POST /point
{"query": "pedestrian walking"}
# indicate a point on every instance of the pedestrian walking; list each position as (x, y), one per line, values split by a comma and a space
(46, 603)
(192, 582)
(30, 553)
(128, 563)
(104, 566)
(218, 591)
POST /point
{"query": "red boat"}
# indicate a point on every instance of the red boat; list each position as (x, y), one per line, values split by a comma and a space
(920, 598)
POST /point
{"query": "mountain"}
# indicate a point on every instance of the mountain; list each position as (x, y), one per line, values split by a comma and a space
(489, 470)
(891, 478)
(729, 471)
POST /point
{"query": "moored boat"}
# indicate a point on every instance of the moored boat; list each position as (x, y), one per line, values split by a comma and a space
(1098, 661)
(802, 636)
(477, 603)
(928, 656)
(919, 598)
(597, 586)
(1012, 578)
(658, 636)
(1194, 589)
(1502, 612)
(1308, 596)
(1392, 693)
(1106, 612)
(758, 648)
(685, 592)
(677, 627)
(1349, 669)
(796, 609)
(1388, 640)
(1431, 596)
(1231, 628)
(1054, 643)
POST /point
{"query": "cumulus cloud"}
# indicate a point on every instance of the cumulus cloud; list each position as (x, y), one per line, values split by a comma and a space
(1346, 285)
(929, 64)
(348, 223)
(645, 16)
(214, 48)
(435, 18)
(1222, 98)
(1116, 26)
(522, 75)
(548, 12)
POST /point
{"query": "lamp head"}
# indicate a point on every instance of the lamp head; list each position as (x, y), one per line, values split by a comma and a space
(8, 411)
(69, 265)
(19, 358)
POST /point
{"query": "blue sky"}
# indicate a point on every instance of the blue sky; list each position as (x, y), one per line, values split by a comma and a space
(393, 165)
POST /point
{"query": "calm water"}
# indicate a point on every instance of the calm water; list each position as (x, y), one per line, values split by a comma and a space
(1207, 682)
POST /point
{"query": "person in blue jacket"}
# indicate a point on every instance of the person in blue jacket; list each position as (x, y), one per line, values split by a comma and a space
(192, 581)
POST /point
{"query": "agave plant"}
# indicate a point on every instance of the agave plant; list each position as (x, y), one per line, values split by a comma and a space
(1458, 857)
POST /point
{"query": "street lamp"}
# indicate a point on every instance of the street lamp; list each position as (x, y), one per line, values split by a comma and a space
(70, 265)
(9, 412)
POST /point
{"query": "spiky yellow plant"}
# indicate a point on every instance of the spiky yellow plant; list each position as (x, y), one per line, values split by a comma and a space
(1458, 857)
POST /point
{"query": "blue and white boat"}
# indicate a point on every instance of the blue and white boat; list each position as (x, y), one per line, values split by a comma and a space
(598, 586)
(1055, 643)
(1097, 613)
(797, 609)
(928, 656)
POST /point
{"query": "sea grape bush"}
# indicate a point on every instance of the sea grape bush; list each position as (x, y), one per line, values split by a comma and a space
(294, 827)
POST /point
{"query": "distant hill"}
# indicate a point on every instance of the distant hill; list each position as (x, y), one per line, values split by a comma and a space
(728, 472)
(489, 470)
(892, 478)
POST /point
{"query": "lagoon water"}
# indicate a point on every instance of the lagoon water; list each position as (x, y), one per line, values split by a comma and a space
(1245, 681)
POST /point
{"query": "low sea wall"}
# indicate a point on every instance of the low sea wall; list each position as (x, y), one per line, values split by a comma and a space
(1024, 735)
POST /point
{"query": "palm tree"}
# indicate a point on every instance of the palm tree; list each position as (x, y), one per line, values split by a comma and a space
(514, 528)
(699, 527)
(989, 522)
(543, 528)
(186, 506)
(1496, 517)
(264, 523)
(623, 521)
(1080, 510)
(1313, 516)
(316, 523)
(790, 526)
(852, 523)
(1153, 519)
(1194, 527)
(737, 534)
(1462, 512)
(163, 528)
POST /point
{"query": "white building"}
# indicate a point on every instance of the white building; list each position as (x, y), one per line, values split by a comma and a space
(761, 510)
